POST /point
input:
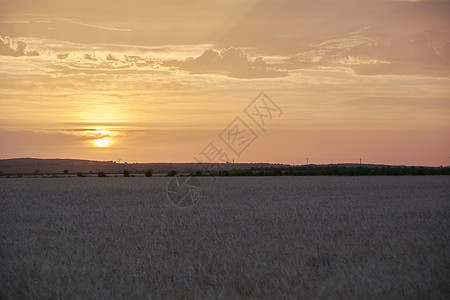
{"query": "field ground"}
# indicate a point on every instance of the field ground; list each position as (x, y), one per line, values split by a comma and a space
(248, 237)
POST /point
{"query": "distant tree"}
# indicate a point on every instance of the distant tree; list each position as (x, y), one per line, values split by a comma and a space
(79, 174)
(101, 174)
(172, 173)
(149, 173)
(66, 172)
(126, 173)
(37, 171)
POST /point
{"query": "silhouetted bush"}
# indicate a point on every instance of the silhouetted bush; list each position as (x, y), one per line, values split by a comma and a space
(101, 174)
(126, 173)
(79, 174)
(66, 171)
(172, 173)
(149, 173)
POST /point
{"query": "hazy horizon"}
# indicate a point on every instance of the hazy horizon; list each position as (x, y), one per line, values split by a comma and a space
(158, 81)
(240, 162)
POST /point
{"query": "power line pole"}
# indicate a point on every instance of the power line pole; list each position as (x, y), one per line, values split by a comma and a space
(307, 160)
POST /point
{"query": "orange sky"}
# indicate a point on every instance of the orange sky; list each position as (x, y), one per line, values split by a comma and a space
(153, 81)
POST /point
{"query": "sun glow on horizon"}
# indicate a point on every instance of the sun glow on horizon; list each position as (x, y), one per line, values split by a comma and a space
(102, 142)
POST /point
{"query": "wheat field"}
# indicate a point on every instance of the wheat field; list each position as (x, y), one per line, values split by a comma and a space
(247, 238)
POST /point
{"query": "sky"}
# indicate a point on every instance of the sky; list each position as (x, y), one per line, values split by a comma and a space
(240, 80)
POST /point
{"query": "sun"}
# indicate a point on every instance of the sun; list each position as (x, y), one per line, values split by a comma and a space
(102, 142)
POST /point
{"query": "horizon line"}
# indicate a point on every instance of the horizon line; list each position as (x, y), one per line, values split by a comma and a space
(261, 162)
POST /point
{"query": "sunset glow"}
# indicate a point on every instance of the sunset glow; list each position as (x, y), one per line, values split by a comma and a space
(102, 142)
(157, 80)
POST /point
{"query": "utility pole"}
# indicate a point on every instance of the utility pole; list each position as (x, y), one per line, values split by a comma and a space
(307, 160)
(360, 161)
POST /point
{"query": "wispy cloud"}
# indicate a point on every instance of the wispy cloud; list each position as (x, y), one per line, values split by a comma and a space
(95, 25)
(94, 133)
(374, 51)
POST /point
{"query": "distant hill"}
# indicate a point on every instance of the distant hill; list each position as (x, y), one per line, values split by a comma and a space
(57, 166)
(31, 165)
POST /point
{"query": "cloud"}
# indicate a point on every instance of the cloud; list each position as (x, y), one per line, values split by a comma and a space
(110, 57)
(93, 133)
(90, 56)
(82, 62)
(62, 55)
(426, 47)
(10, 48)
(140, 62)
(233, 62)
(376, 52)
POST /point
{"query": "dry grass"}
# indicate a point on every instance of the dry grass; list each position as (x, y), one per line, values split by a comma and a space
(298, 237)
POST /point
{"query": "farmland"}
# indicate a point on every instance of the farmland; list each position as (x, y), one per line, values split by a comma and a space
(248, 237)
